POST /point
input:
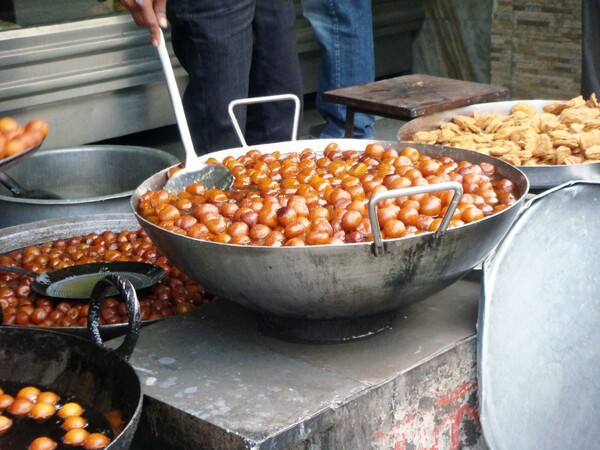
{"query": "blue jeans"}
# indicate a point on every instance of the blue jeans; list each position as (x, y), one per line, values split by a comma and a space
(345, 31)
(235, 49)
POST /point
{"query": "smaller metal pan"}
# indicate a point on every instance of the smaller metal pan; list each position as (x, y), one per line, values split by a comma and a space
(77, 282)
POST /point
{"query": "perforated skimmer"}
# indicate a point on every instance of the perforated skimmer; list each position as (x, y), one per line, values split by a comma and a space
(77, 282)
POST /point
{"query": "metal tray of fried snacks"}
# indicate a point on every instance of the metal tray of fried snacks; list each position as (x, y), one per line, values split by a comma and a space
(551, 141)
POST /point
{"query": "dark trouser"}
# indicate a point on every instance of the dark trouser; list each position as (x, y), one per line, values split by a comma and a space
(590, 75)
(235, 49)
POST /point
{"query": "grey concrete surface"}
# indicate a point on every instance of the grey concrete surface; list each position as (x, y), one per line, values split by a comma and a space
(214, 375)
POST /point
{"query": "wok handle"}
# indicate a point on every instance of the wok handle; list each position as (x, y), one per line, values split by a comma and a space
(405, 192)
(127, 292)
(265, 99)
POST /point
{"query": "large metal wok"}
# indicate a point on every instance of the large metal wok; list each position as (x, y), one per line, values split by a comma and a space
(76, 367)
(336, 281)
(540, 177)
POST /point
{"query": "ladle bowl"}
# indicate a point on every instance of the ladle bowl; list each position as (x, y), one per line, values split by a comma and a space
(77, 282)
(6, 163)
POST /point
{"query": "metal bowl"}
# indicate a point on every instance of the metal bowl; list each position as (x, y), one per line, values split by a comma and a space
(336, 281)
(91, 179)
(540, 177)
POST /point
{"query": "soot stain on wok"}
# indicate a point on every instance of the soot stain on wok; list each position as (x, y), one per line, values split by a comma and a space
(410, 261)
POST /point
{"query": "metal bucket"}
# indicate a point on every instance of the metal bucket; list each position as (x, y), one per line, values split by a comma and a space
(539, 334)
(91, 180)
(336, 281)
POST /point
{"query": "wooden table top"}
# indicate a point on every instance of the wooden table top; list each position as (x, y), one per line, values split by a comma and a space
(411, 96)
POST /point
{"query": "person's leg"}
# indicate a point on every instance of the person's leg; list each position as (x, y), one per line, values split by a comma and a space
(590, 43)
(213, 41)
(275, 70)
(345, 31)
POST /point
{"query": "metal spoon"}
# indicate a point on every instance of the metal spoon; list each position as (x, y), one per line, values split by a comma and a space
(18, 191)
(195, 171)
(7, 163)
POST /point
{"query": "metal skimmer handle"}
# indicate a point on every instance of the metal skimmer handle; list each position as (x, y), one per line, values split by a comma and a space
(191, 159)
(406, 192)
(20, 271)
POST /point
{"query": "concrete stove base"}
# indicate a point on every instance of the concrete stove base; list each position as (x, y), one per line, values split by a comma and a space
(212, 381)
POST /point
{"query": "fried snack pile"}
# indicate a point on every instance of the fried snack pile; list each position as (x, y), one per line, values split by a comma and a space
(564, 133)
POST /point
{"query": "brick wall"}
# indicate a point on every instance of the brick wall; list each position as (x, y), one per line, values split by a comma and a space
(536, 48)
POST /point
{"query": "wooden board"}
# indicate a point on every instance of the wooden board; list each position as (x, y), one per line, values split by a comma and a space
(411, 96)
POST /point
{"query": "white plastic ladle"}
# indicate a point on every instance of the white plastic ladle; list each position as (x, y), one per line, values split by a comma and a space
(195, 171)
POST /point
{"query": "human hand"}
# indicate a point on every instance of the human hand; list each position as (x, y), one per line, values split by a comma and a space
(150, 14)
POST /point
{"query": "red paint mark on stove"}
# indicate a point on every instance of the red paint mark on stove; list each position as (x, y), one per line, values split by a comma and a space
(464, 389)
(433, 428)
(460, 410)
(399, 446)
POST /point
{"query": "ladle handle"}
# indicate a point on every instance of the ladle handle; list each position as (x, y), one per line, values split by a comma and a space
(128, 294)
(405, 192)
(265, 99)
(191, 159)
(11, 185)
(19, 271)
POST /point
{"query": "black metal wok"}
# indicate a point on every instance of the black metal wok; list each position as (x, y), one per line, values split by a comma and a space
(73, 366)
(16, 237)
(336, 281)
